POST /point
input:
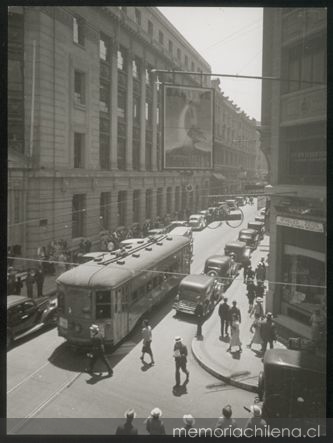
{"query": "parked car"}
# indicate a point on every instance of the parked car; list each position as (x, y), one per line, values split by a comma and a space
(239, 249)
(259, 227)
(293, 385)
(197, 222)
(260, 218)
(250, 237)
(184, 231)
(206, 215)
(232, 203)
(195, 288)
(240, 201)
(175, 224)
(262, 212)
(26, 315)
(220, 267)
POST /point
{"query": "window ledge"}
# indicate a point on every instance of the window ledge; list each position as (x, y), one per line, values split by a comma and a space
(80, 106)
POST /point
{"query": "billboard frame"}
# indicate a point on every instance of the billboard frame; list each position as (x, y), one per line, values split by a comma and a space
(189, 169)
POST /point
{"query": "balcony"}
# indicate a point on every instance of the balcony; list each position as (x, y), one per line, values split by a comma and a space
(301, 22)
(305, 105)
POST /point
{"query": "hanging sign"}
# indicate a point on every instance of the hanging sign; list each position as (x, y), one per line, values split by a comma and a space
(297, 223)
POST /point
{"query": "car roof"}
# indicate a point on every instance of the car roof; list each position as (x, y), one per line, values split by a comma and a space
(248, 231)
(294, 359)
(13, 300)
(177, 221)
(195, 215)
(236, 244)
(230, 200)
(218, 259)
(256, 223)
(196, 281)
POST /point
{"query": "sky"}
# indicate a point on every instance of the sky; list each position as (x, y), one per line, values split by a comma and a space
(230, 40)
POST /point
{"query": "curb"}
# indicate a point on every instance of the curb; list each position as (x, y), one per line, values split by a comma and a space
(227, 379)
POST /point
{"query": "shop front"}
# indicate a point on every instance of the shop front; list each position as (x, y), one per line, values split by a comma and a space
(301, 293)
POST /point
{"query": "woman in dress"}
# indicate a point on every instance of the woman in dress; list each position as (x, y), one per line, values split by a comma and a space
(255, 329)
(235, 340)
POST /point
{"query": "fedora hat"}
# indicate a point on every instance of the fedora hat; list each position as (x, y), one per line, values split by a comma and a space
(188, 419)
(94, 328)
(130, 413)
(156, 412)
(178, 339)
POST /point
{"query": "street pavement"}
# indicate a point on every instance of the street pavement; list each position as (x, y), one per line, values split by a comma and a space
(46, 378)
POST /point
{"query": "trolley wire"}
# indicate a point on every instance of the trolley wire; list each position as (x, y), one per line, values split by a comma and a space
(111, 266)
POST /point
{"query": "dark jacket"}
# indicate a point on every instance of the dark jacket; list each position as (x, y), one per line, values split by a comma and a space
(155, 426)
(224, 310)
(267, 330)
(97, 342)
(126, 429)
(182, 349)
(235, 310)
(39, 276)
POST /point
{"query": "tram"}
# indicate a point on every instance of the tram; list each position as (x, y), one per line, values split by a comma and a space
(115, 290)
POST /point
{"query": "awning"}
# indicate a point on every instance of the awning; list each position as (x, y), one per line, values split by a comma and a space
(219, 176)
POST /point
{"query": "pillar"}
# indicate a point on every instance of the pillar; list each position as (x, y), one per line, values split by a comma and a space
(114, 109)
(129, 115)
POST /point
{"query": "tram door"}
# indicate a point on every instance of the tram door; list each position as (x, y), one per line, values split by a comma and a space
(120, 323)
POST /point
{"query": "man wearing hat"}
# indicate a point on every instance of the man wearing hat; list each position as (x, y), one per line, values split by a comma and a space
(199, 314)
(226, 422)
(154, 424)
(258, 308)
(127, 428)
(189, 422)
(180, 356)
(224, 309)
(267, 332)
(98, 350)
(256, 424)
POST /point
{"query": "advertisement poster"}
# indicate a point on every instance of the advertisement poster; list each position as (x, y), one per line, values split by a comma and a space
(188, 127)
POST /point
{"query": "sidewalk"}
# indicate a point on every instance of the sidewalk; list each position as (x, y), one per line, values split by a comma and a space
(238, 369)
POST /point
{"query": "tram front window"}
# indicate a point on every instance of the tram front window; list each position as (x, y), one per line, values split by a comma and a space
(80, 302)
(103, 304)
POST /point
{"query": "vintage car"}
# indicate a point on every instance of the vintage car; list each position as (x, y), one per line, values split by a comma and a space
(213, 213)
(197, 222)
(222, 268)
(194, 289)
(239, 250)
(232, 203)
(250, 237)
(184, 231)
(293, 385)
(259, 227)
(240, 201)
(175, 224)
(260, 218)
(26, 315)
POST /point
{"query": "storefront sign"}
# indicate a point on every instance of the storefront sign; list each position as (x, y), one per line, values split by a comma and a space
(296, 223)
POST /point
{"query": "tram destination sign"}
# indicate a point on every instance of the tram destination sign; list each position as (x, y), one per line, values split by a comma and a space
(306, 225)
(188, 127)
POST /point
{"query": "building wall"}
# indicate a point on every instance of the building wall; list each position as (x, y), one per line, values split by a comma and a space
(294, 135)
(46, 167)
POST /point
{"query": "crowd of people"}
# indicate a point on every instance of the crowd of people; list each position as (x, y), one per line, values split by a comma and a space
(263, 327)
(226, 425)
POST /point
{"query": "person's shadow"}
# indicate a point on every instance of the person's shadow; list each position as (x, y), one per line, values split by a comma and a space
(179, 390)
(236, 355)
(95, 378)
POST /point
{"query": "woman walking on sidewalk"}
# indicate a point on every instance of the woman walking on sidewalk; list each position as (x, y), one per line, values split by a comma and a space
(235, 340)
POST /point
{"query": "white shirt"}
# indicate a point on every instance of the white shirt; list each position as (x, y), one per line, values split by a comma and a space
(146, 333)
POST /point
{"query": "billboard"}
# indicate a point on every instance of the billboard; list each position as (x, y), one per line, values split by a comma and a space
(188, 127)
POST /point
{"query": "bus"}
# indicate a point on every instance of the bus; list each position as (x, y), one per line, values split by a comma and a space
(114, 291)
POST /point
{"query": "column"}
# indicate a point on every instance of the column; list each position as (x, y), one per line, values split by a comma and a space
(154, 126)
(114, 109)
(114, 210)
(129, 208)
(154, 203)
(142, 208)
(129, 114)
(143, 117)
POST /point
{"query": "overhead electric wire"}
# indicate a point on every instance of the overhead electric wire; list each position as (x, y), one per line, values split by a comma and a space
(156, 271)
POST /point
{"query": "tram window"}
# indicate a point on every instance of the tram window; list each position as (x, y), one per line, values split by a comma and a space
(103, 297)
(124, 299)
(103, 311)
(61, 301)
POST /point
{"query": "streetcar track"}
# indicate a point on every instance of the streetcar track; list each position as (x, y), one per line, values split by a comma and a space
(35, 411)
(27, 378)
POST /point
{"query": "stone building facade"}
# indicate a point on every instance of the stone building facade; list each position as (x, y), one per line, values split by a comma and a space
(84, 127)
(294, 137)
